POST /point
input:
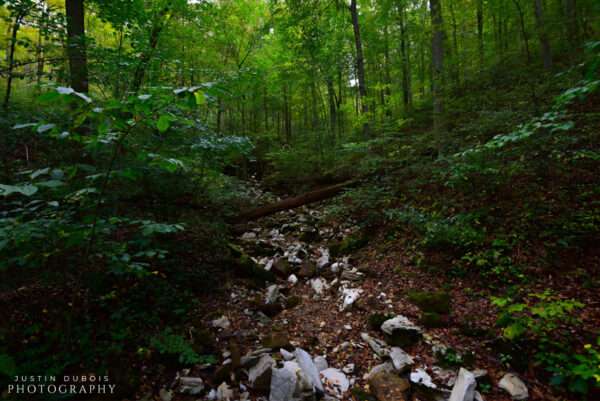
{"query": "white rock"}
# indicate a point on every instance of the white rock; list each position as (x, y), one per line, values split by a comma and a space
(283, 384)
(286, 355)
(419, 376)
(514, 386)
(399, 323)
(249, 236)
(378, 346)
(352, 275)
(308, 368)
(221, 323)
(349, 296)
(400, 359)
(212, 395)
(190, 385)
(323, 259)
(260, 370)
(335, 382)
(321, 363)
(318, 285)
(224, 392)
(478, 397)
(384, 367)
(292, 279)
(464, 388)
(272, 294)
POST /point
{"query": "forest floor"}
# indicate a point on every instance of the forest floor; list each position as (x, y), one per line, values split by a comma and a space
(305, 309)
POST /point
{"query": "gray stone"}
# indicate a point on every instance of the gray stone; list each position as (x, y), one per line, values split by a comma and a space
(190, 385)
(514, 386)
(283, 384)
(401, 331)
(335, 382)
(384, 367)
(401, 360)
(464, 388)
(321, 363)
(421, 377)
(272, 294)
(378, 346)
(308, 368)
(259, 375)
(221, 323)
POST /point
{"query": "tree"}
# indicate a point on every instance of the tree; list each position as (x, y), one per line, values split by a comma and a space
(360, 66)
(542, 34)
(437, 60)
(76, 47)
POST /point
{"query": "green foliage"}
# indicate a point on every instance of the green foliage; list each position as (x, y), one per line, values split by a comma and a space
(169, 343)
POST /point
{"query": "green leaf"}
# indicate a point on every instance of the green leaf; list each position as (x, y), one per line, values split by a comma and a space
(200, 99)
(163, 123)
(514, 331)
(26, 190)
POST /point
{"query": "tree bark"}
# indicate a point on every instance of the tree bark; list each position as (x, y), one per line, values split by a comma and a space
(480, 33)
(11, 58)
(542, 34)
(360, 66)
(76, 48)
(437, 57)
(405, 55)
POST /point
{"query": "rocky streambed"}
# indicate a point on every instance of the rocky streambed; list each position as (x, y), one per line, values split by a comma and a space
(324, 327)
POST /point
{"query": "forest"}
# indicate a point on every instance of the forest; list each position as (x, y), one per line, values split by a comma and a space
(287, 200)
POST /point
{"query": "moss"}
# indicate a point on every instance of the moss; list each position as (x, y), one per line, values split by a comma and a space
(348, 245)
(293, 301)
(431, 302)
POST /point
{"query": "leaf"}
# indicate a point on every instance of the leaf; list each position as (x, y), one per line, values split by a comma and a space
(163, 123)
(45, 127)
(200, 99)
(514, 331)
(26, 190)
(27, 125)
(65, 90)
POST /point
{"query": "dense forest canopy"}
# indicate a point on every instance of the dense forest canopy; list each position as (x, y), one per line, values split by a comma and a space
(163, 161)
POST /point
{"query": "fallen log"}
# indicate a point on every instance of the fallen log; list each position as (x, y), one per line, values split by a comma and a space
(294, 202)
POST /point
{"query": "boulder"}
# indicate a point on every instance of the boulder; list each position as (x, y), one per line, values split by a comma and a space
(389, 387)
(401, 331)
(514, 386)
(464, 388)
(283, 384)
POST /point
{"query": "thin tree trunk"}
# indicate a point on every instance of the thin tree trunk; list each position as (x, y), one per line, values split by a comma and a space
(437, 56)
(542, 34)
(405, 55)
(480, 33)
(456, 58)
(360, 66)
(523, 30)
(11, 59)
(76, 45)
(332, 108)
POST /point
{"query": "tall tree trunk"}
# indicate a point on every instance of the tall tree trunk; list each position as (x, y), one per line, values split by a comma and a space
(11, 58)
(76, 45)
(405, 55)
(360, 66)
(542, 34)
(287, 118)
(332, 108)
(437, 57)
(40, 45)
(480, 33)
(524, 35)
(146, 57)
(456, 56)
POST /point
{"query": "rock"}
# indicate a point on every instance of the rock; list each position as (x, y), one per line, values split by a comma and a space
(321, 363)
(401, 360)
(165, 395)
(259, 375)
(478, 397)
(308, 269)
(190, 385)
(401, 331)
(250, 359)
(419, 376)
(281, 267)
(335, 382)
(309, 369)
(283, 384)
(349, 368)
(352, 275)
(248, 236)
(277, 340)
(436, 302)
(376, 320)
(286, 355)
(446, 376)
(464, 388)
(378, 346)
(349, 296)
(292, 279)
(361, 395)
(514, 386)
(389, 387)
(224, 392)
(323, 260)
(384, 367)
(272, 294)
(221, 323)
(318, 285)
